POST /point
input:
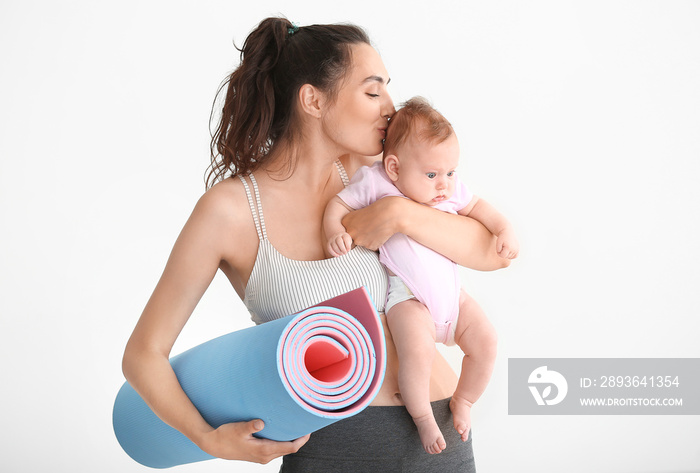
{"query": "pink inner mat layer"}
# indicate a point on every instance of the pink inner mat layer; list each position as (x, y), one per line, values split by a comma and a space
(331, 362)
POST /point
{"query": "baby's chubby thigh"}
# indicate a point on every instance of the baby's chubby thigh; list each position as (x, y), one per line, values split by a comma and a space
(408, 318)
(474, 333)
(411, 325)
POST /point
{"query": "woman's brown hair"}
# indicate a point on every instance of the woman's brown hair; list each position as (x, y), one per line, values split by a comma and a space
(258, 111)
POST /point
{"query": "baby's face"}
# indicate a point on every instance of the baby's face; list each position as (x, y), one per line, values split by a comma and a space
(426, 171)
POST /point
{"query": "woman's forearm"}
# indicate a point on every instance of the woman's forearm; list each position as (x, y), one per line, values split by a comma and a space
(462, 239)
(151, 375)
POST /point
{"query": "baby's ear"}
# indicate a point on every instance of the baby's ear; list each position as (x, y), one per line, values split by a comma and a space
(391, 166)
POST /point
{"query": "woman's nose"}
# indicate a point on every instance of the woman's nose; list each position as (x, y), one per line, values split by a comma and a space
(388, 109)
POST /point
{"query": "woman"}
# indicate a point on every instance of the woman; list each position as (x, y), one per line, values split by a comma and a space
(302, 111)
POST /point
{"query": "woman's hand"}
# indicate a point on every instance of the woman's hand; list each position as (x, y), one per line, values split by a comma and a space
(373, 225)
(235, 441)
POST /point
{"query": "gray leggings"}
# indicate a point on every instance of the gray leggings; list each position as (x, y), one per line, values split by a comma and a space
(381, 439)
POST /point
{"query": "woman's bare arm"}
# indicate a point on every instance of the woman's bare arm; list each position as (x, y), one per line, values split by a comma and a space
(462, 239)
(190, 269)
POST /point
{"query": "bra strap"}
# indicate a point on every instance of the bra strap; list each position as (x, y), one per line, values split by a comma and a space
(260, 213)
(257, 212)
(341, 171)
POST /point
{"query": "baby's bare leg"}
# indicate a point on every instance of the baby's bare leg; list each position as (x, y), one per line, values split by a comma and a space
(413, 331)
(477, 338)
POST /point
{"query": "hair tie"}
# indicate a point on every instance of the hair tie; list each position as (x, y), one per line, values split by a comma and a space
(292, 29)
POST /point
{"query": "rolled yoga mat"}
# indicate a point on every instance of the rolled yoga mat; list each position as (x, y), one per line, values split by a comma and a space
(298, 374)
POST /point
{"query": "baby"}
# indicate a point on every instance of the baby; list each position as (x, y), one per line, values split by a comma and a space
(425, 303)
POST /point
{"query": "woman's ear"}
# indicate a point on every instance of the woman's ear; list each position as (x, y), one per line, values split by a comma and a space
(311, 100)
(391, 166)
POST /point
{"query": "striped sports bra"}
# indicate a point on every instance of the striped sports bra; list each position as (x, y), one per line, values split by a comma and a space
(280, 286)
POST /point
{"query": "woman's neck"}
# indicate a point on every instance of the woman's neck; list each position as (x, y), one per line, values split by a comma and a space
(309, 164)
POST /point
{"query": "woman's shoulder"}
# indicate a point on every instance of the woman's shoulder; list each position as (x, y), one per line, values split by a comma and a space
(226, 202)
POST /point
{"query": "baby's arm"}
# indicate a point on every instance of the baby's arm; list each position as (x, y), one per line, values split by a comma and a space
(507, 245)
(339, 241)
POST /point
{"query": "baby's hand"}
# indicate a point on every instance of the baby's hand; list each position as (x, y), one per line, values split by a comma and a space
(339, 244)
(507, 245)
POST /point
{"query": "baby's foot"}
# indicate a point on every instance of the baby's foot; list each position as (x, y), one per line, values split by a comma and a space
(462, 415)
(430, 435)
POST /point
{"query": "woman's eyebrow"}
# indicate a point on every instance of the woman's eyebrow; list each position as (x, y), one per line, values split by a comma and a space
(375, 78)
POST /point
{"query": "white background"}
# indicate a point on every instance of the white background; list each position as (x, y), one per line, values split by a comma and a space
(579, 120)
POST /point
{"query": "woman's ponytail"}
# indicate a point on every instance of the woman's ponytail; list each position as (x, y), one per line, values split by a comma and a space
(242, 135)
(277, 58)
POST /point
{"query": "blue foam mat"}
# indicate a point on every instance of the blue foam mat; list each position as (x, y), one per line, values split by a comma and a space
(246, 375)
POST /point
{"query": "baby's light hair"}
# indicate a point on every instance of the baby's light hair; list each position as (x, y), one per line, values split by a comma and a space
(416, 116)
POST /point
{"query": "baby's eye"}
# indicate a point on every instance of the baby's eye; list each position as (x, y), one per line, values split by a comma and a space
(373, 95)
(450, 174)
(431, 175)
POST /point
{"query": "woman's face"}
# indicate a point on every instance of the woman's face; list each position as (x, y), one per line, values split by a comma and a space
(356, 121)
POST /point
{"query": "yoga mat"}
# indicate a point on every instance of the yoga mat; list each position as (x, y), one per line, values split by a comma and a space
(298, 374)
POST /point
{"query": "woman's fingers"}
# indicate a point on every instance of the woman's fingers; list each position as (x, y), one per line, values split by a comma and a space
(265, 450)
(235, 441)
